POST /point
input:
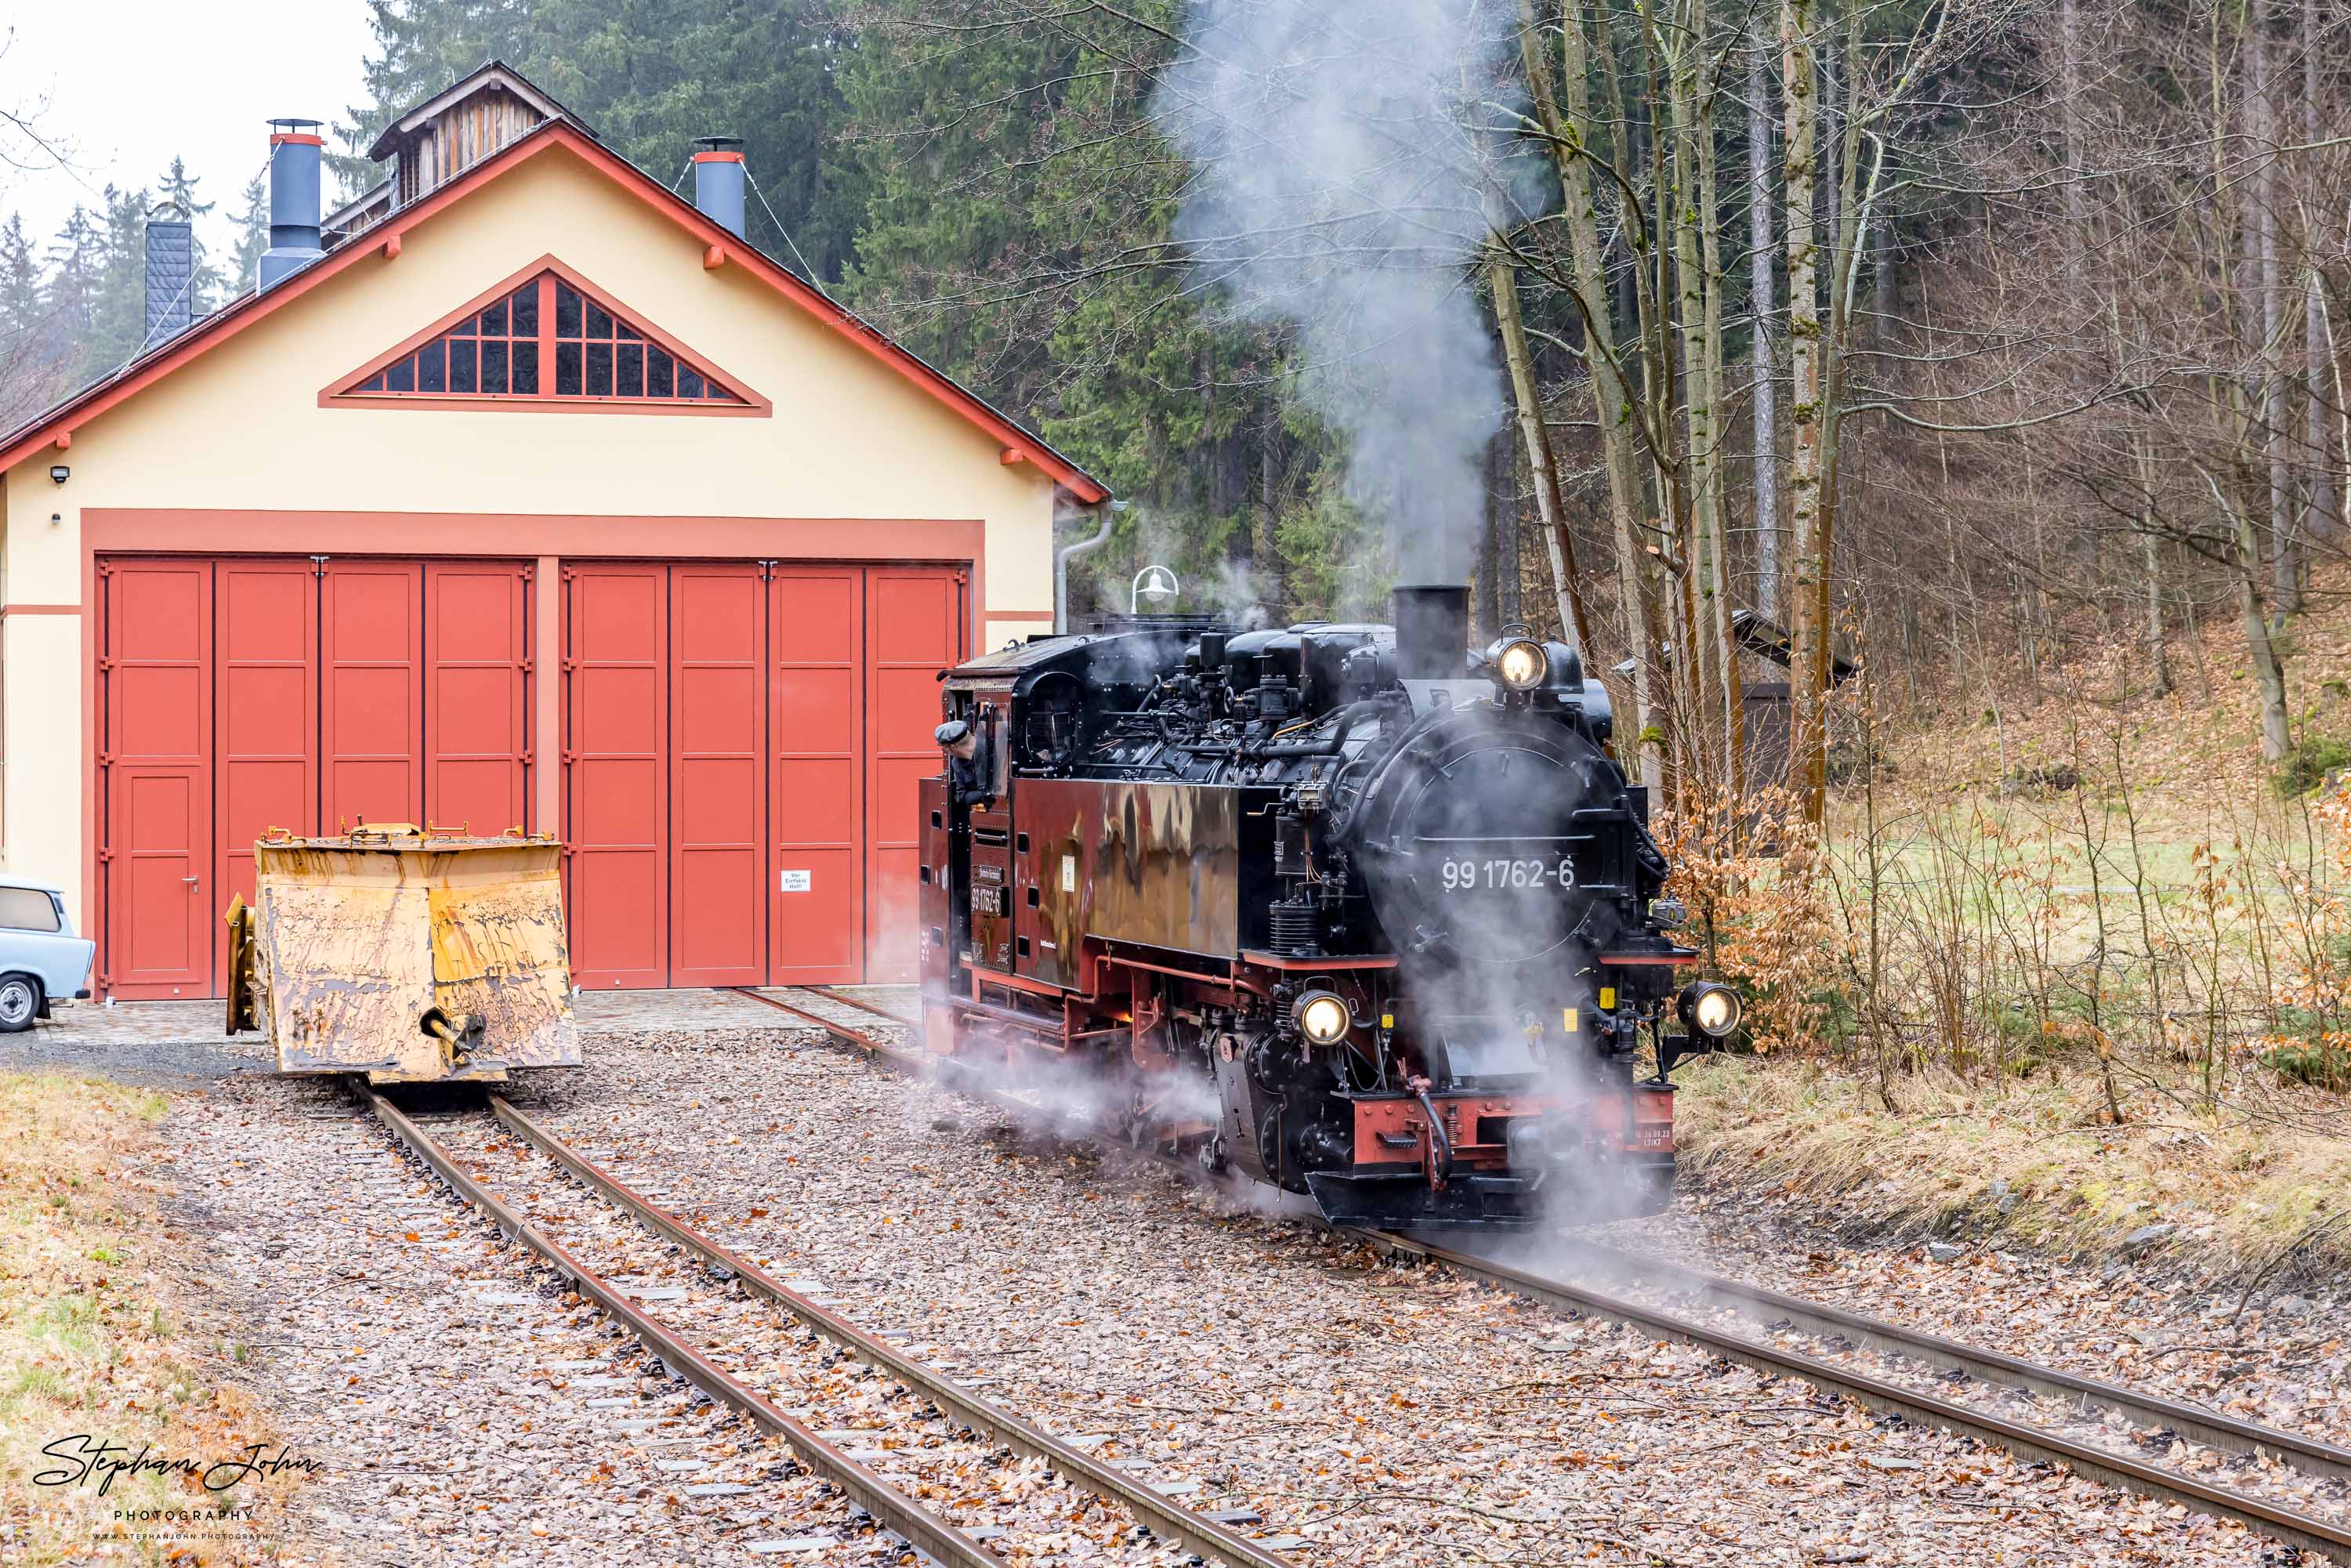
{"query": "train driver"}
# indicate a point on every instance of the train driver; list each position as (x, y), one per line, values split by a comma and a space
(967, 780)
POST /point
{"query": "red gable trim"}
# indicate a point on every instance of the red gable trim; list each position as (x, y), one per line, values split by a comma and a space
(95, 400)
(340, 393)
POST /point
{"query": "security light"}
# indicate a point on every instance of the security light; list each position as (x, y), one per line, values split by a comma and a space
(1155, 583)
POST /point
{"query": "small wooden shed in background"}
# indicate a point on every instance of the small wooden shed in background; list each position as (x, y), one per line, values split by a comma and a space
(1766, 702)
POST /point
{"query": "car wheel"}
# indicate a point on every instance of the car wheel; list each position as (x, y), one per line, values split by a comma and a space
(20, 1001)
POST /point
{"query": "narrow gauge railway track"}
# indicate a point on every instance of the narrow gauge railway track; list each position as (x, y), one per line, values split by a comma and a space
(882, 1491)
(2295, 1527)
(2213, 1428)
(832, 994)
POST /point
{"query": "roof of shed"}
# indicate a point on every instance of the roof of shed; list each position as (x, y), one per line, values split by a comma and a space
(1018, 443)
(490, 73)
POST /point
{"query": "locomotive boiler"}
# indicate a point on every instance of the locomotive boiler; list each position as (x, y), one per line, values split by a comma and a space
(1353, 910)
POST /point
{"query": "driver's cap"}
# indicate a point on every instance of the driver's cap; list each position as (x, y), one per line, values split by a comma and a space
(947, 734)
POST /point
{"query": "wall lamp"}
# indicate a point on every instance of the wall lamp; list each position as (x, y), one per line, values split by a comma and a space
(61, 473)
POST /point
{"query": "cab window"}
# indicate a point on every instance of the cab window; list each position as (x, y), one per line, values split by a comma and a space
(995, 756)
(28, 909)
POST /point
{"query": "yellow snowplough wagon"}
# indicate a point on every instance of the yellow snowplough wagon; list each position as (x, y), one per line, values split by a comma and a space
(407, 954)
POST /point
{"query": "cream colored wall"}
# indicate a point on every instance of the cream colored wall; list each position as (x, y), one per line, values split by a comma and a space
(241, 428)
(41, 656)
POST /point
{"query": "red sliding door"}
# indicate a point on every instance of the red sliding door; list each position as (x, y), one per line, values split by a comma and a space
(477, 674)
(740, 744)
(267, 692)
(914, 630)
(156, 775)
(817, 876)
(744, 746)
(372, 717)
(241, 694)
(616, 785)
(718, 791)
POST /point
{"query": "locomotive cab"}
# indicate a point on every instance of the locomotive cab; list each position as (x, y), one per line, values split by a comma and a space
(1346, 908)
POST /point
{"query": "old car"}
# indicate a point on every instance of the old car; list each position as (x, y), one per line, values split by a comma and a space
(41, 959)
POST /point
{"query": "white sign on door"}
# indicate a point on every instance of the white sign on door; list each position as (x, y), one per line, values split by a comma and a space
(1068, 873)
(794, 881)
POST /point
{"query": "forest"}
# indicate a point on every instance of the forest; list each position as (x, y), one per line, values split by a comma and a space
(1975, 361)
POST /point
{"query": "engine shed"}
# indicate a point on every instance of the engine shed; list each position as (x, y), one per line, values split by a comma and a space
(523, 492)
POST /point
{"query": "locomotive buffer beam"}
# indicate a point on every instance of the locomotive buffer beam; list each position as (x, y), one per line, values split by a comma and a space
(1405, 1200)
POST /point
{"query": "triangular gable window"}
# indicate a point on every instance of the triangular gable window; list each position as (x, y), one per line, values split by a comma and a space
(547, 340)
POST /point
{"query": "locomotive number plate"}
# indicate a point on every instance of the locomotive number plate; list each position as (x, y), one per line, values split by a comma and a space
(987, 901)
(1476, 876)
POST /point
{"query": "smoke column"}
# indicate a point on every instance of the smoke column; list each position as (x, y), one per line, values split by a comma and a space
(1337, 190)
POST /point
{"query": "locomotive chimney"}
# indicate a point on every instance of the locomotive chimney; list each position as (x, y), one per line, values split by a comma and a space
(1432, 630)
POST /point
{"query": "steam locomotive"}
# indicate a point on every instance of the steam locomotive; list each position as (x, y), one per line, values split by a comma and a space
(1349, 909)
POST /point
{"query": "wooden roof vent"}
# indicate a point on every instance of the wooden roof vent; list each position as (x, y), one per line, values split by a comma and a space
(458, 127)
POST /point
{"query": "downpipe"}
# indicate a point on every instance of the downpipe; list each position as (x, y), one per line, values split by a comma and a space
(1069, 553)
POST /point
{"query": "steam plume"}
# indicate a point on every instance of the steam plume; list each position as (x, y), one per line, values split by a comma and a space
(1337, 190)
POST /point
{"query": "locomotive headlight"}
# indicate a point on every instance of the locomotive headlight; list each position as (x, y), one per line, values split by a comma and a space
(1711, 1008)
(1322, 1018)
(1521, 664)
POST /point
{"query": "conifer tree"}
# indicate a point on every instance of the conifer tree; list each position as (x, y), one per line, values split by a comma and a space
(421, 47)
(251, 221)
(118, 313)
(24, 305)
(1018, 234)
(32, 357)
(76, 258)
(650, 76)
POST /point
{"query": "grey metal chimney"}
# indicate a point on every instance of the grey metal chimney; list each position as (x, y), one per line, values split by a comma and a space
(171, 273)
(295, 150)
(718, 179)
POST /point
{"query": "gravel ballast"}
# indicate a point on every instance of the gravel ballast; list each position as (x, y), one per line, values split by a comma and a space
(467, 1409)
(1367, 1412)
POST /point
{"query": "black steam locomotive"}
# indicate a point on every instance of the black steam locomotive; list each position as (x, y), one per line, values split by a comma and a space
(1352, 908)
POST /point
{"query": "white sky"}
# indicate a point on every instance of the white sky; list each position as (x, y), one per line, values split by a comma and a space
(123, 85)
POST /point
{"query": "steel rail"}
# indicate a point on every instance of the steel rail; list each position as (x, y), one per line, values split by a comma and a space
(1164, 1516)
(943, 1070)
(857, 1037)
(2289, 1525)
(2211, 1427)
(832, 994)
(875, 1495)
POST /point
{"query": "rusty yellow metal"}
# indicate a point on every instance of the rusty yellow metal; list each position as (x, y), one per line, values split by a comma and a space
(410, 957)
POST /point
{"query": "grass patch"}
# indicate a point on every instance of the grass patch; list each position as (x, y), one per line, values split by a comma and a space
(2021, 1161)
(83, 1279)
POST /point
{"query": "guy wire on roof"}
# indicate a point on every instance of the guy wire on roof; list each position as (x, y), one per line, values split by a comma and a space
(807, 272)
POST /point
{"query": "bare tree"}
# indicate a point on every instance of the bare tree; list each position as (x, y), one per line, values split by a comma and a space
(1759, 289)
(1807, 589)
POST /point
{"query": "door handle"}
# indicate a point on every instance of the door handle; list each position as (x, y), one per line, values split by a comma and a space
(190, 880)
